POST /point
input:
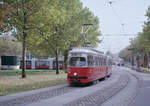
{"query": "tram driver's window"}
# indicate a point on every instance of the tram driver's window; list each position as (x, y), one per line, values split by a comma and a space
(77, 61)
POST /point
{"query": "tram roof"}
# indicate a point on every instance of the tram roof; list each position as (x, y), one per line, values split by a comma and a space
(86, 50)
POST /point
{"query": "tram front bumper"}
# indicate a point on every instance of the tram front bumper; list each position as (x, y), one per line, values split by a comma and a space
(76, 79)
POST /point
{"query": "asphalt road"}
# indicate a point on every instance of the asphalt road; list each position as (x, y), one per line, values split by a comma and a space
(136, 93)
(143, 96)
(125, 96)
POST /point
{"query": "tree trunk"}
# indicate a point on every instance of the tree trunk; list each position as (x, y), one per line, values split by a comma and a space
(132, 62)
(24, 56)
(24, 47)
(138, 61)
(66, 59)
(145, 60)
(57, 68)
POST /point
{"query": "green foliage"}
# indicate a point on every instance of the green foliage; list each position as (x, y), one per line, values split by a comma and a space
(141, 44)
(16, 11)
(148, 14)
(61, 27)
(51, 26)
(9, 47)
(126, 53)
(144, 36)
(44, 17)
(23, 21)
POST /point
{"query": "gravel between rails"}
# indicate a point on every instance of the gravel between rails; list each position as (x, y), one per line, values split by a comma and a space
(37, 97)
(101, 96)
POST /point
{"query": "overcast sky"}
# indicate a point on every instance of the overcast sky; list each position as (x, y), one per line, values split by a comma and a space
(118, 22)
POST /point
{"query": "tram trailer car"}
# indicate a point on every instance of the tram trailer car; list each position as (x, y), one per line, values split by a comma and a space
(28, 64)
(60, 64)
(87, 65)
(43, 64)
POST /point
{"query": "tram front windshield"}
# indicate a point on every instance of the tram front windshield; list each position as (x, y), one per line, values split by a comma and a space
(77, 61)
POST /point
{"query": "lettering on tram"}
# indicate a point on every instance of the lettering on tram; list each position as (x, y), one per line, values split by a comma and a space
(87, 65)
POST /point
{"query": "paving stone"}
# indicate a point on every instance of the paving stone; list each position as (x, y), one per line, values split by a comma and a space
(101, 95)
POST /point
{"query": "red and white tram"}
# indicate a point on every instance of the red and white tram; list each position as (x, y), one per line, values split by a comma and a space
(43, 63)
(28, 64)
(87, 65)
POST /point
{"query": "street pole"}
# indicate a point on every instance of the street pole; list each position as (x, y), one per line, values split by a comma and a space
(85, 29)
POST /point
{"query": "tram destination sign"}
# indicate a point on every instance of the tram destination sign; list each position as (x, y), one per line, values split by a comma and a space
(76, 54)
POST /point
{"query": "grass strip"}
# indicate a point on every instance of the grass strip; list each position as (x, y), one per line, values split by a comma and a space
(28, 72)
(26, 87)
(16, 85)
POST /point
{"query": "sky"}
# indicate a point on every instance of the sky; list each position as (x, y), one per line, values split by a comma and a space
(119, 22)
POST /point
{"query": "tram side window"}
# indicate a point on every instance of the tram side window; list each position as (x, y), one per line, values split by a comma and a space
(60, 63)
(42, 63)
(96, 61)
(28, 63)
(104, 62)
(100, 61)
(90, 61)
(109, 63)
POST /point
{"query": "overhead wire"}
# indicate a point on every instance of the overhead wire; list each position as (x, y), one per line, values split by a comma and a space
(116, 14)
(125, 34)
(118, 17)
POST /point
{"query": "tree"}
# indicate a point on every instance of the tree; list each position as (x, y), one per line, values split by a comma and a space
(126, 54)
(52, 37)
(141, 44)
(144, 39)
(22, 20)
(64, 28)
(108, 53)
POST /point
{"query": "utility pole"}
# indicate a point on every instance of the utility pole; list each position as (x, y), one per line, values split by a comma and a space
(85, 29)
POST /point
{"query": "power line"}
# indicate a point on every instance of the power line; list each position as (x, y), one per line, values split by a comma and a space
(118, 17)
(120, 34)
(115, 13)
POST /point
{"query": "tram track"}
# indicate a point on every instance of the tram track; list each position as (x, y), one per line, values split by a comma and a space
(103, 92)
(125, 96)
(138, 79)
(24, 100)
(91, 95)
(100, 96)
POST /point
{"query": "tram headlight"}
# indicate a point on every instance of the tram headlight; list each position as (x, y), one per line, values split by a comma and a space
(75, 74)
